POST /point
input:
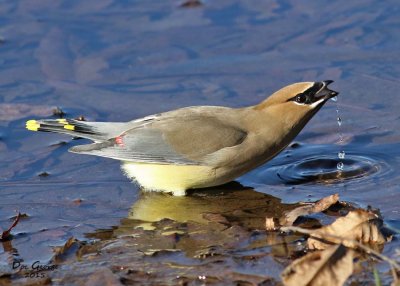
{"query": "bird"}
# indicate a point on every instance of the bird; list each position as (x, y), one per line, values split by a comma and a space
(198, 146)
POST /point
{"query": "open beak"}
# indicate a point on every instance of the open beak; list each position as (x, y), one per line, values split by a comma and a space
(324, 92)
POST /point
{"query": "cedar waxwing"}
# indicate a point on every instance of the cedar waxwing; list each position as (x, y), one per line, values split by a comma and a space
(198, 146)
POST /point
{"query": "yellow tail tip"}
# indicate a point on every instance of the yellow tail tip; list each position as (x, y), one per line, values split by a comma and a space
(32, 121)
(69, 127)
(32, 125)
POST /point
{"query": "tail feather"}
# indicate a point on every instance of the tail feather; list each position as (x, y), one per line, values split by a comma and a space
(67, 126)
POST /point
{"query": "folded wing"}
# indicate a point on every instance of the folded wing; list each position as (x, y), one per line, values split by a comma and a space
(183, 140)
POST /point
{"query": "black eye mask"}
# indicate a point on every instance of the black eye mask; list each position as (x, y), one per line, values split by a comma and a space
(318, 91)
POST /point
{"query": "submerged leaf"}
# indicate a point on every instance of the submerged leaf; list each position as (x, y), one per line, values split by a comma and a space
(216, 217)
(357, 226)
(330, 267)
(70, 248)
(191, 4)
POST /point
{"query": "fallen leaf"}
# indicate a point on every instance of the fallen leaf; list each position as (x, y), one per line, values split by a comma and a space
(6, 234)
(191, 4)
(215, 217)
(70, 248)
(330, 267)
(290, 217)
(357, 226)
(43, 174)
(77, 202)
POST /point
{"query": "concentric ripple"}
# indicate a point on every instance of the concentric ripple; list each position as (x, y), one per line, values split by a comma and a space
(323, 169)
(309, 166)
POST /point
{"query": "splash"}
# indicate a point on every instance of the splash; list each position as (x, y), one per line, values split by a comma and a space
(341, 154)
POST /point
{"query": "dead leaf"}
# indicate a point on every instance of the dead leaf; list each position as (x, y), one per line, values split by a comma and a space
(330, 267)
(43, 174)
(6, 234)
(70, 248)
(357, 226)
(77, 202)
(191, 4)
(215, 217)
(290, 217)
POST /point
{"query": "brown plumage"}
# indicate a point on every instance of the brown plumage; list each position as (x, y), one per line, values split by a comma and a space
(200, 146)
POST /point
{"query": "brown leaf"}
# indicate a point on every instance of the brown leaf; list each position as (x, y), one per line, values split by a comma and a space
(77, 202)
(358, 225)
(70, 248)
(330, 267)
(6, 234)
(289, 217)
(191, 4)
(215, 217)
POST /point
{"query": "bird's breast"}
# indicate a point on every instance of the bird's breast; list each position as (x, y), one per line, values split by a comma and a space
(171, 178)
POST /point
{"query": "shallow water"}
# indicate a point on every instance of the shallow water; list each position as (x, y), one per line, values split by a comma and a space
(116, 60)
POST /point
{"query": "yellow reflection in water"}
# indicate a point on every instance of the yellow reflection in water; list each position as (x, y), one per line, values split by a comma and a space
(238, 204)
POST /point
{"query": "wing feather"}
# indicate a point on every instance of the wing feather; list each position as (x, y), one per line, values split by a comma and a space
(185, 140)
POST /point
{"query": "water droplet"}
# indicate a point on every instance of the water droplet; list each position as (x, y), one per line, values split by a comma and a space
(341, 155)
(340, 166)
(334, 98)
(339, 121)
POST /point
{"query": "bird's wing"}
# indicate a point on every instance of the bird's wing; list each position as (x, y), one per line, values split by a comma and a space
(179, 140)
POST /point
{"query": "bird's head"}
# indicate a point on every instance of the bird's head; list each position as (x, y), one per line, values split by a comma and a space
(297, 103)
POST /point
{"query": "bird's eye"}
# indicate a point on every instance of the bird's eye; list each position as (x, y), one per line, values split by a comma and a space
(301, 98)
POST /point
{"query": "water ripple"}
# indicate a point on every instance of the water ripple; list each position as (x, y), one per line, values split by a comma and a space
(306, 165)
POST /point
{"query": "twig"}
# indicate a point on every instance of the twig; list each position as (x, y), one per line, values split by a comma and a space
(5, 234)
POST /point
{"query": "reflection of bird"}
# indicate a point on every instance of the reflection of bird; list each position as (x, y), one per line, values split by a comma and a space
(201, 146)
(214, 220)
(231, 202)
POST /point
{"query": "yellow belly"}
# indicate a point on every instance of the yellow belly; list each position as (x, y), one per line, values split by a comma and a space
(171, 178)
